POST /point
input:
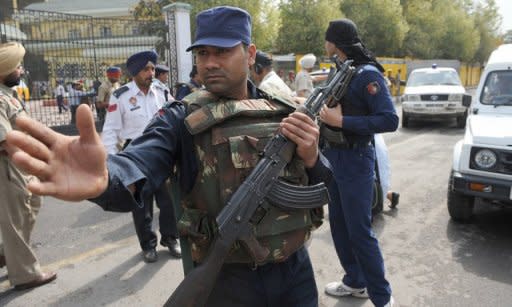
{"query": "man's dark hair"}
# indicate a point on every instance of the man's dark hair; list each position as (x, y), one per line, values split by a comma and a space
(193, 72)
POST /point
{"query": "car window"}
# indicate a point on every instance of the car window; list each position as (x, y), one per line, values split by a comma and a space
(497, 88)
(433, 77)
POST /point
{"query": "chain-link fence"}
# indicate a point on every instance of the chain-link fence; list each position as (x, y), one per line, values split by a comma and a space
(72, 49)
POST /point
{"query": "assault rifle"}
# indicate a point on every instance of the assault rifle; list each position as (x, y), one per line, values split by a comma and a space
(234, 219)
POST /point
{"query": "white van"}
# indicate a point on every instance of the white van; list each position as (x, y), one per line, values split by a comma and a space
(482, 161)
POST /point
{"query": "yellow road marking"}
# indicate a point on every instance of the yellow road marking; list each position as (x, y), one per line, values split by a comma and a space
(5, 285)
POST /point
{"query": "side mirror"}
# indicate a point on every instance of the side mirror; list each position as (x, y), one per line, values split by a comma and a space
(466, 100)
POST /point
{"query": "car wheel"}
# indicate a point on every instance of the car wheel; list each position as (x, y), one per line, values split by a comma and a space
(405, 120)
(460, 206)
(461, 120)
(378, 200)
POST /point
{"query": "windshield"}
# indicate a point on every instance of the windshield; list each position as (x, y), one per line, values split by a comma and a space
(497, 89)
(433, 77)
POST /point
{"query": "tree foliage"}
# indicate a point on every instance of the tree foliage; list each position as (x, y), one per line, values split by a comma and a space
(380, 24)
(303, 25)
(454, 29)
(487, 23)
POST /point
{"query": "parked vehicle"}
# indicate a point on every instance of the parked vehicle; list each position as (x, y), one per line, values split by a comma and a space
(482, 161)
(435, 92)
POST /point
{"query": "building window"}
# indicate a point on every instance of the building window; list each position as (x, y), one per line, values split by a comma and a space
(106, 32)
(74, 34)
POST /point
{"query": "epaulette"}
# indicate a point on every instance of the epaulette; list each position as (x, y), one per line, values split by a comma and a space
(169, 104)
(117, 93)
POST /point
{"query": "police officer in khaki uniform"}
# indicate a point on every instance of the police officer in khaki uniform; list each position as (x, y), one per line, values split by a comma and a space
(18, 206)
(106, 89)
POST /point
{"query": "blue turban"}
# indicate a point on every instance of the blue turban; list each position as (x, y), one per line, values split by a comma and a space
(138, 61)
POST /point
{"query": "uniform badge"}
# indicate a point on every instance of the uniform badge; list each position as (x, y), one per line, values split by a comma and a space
(112, 107)
(133, 101)
(373, 88)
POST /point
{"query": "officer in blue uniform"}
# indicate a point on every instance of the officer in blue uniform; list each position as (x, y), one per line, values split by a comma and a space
(194, 84)
(347, 131)
(223, 53)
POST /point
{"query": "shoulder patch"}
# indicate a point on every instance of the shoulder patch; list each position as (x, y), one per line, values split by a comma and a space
(112, 107)
(120, 91)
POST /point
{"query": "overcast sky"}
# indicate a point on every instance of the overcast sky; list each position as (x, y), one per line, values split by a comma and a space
(506, 12)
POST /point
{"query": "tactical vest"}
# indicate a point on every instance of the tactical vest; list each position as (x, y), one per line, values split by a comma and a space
(228, 137)
(337, 136)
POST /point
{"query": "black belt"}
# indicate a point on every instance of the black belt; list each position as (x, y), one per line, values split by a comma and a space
(349, 145)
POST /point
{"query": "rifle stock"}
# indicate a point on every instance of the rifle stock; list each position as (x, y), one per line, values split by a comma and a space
(233, 220)
(193, 291)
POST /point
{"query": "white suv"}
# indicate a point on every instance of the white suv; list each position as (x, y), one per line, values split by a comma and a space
(434, 92)
(482, 161)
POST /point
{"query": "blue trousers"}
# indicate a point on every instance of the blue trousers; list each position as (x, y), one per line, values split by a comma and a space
(288, 283)
(143, 219)
(350, 220)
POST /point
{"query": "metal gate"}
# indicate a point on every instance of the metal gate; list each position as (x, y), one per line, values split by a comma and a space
(71, 48)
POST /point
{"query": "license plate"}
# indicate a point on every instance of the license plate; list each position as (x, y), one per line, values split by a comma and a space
(433, 105)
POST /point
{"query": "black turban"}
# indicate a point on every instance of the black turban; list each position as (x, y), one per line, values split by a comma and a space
(343, 34)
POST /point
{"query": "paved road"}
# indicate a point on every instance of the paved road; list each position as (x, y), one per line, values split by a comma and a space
(430, 260)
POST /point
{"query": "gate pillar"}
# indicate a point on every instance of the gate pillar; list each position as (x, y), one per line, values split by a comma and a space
(177, 18)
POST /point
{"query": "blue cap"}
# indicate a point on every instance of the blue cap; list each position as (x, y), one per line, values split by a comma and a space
(138, 61)
(222, 26)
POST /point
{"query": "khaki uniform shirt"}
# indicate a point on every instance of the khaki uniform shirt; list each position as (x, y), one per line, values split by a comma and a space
(105, 91)
(10, 108)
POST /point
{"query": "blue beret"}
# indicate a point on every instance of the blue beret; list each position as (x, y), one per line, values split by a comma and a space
(222, 26)
(138, 61)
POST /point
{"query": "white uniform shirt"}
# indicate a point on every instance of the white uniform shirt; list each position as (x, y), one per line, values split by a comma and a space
(129, 114)
(162, 87)
(304, 82)
(59, 91)
(274, 85)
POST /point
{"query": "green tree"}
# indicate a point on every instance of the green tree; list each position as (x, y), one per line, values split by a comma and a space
(487, 23)
(425, 30)
(303, 25)
(380, 24)
(507, 37)
(460, 39)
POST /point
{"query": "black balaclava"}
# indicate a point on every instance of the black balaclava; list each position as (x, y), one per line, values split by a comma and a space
(343, 34)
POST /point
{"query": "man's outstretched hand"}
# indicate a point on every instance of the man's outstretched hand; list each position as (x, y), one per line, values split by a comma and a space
(69, 168)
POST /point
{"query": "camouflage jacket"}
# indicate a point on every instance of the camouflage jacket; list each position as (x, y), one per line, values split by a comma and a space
(228, 136)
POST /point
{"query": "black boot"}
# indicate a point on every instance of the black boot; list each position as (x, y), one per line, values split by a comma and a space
(173, 245)
(395, 198)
